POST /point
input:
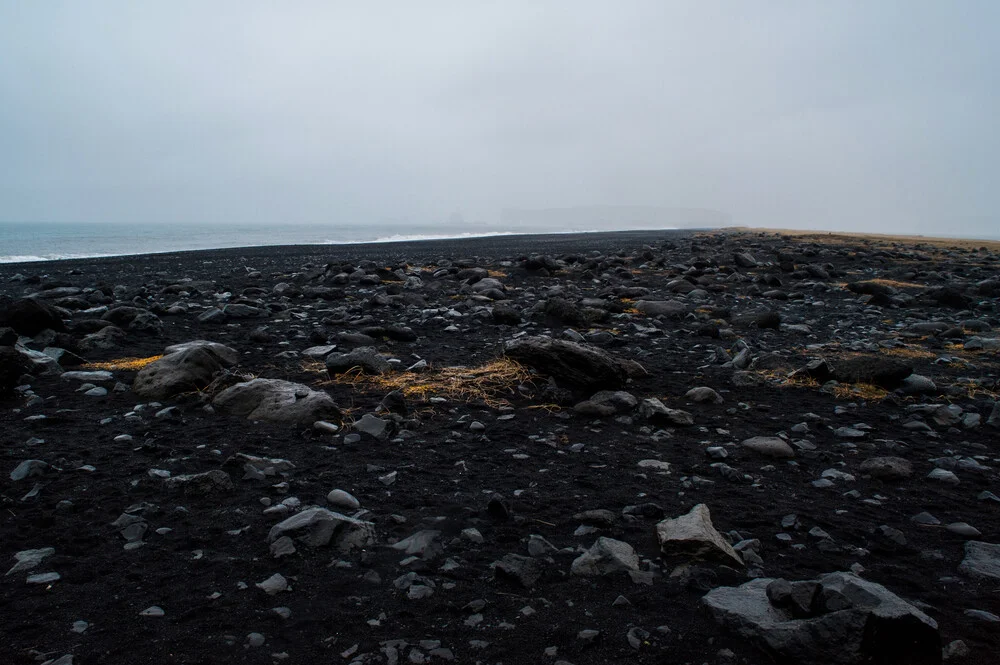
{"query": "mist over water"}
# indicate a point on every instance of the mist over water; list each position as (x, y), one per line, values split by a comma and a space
(431, 118)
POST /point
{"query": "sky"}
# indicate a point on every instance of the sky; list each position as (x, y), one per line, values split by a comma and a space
(875, 115)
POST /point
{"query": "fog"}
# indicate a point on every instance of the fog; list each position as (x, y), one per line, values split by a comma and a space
(877, 116)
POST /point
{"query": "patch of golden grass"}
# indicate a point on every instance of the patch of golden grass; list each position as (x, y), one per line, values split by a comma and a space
(490, 383)
(865, 391)
(909, 352)
(895, 283)
(784, 379)
(129, 364)
(496, 273)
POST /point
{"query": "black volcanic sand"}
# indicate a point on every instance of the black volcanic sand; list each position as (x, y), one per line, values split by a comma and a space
(203, 553)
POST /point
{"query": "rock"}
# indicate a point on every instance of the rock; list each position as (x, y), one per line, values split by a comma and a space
(273, 585)
(228, 356)
(916, 384)
(655, 411)
(29, 317)
(887, 468)
(856, 622)
(668, 308)
(769, 446)
(180, 372)
(367, 358)
(693, 535)
(318, 526)
(343, 500)
(606, 556)
(571, 364)
(422, 543)
(105, 339)
(13, 365)
(943, 476)
(201, 483)
(982, 560)
(882, 371)
(521, 570)
(374, 426)
(29, 467)
(279, 401)
(28, 559)
(704, 395)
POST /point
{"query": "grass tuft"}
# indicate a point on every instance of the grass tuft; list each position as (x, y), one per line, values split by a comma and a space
(129, 364)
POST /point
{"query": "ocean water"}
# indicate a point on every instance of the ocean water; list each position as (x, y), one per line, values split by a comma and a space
(51, 241)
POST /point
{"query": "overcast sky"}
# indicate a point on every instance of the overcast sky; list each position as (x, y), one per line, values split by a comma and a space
(874, 115)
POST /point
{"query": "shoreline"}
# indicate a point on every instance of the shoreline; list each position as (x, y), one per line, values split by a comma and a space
(488, 244)
(494, 244)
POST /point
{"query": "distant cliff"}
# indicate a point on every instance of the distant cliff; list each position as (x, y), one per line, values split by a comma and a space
(590, 218)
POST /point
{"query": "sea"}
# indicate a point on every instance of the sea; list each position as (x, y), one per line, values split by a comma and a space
(53, 241)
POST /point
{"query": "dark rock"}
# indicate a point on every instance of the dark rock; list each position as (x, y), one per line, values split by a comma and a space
(579, 366)
(854, 622)
(366, 358)
(184, 371)
(28, 316)
(881, 371)
(12, 366)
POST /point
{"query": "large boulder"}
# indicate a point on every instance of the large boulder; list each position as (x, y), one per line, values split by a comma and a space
(12, 365)
(175, 373)
(228, 356)
(29, 317)
(571, 364)
(277, 401)
(848, 621)
(694, 535)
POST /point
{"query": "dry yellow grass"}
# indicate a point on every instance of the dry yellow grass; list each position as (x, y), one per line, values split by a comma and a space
(490, 384)
(910, 352)
(496, 273)
(897, 284)
(130, 364)
(866, 391)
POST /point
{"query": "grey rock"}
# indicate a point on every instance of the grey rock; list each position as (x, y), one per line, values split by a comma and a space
(522, 570)
(208, 482)
(28, 559)
(606, 556)
(982, 560)
(887, 468)
(343, 500)
(227, 355)
(318, 526)
(694, 535)
(422, 543)
(704, 395)
(29, 467)
(655, 411)
(374, 426)
(860, 622)
(276, 400)
(367, 358)
(180, 372)
(769, 446)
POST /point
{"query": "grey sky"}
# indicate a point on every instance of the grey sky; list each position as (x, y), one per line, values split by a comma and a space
(868, 115)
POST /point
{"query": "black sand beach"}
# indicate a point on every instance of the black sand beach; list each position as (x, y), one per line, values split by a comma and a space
(515, 422)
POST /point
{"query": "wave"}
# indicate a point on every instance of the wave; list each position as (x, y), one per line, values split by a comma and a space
(28, 258)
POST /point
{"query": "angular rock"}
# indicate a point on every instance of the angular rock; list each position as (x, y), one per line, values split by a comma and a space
(318, 526)
(858, 622)
(208, 482)
(694, 535)
(606, 556)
